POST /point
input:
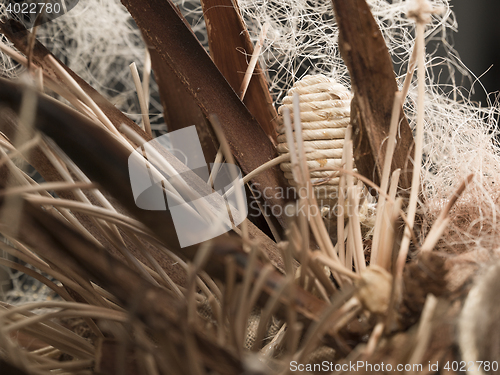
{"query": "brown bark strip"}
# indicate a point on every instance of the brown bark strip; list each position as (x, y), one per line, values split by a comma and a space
(373, 83)
(231, 48)
(181, 110)
(166, 30)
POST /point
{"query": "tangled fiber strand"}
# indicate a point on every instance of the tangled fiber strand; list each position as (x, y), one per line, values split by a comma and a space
(461, 139)
(303, 37)
(99, 40)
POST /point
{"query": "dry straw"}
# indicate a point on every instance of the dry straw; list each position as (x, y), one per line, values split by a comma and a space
(225, 308)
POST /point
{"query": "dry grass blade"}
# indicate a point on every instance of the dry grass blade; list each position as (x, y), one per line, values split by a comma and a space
(151, 303)
(424, 331)
(385, 175)
(39, 159)
(81, 134)
(142, 98)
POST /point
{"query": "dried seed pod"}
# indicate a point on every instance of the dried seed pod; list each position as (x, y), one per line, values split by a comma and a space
(374, 290)
(325, 115)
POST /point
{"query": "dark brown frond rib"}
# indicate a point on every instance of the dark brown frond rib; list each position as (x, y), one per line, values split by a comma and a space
(180, 110)
(231, 49)
(373, 83)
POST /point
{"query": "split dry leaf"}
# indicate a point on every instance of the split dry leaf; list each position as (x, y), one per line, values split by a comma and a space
(374, 84)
